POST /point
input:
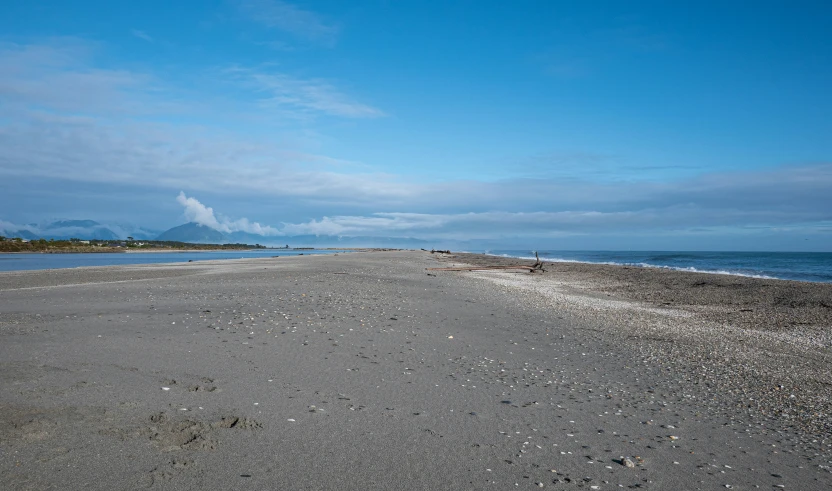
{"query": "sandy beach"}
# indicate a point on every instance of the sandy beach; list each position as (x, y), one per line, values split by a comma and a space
(365, 370)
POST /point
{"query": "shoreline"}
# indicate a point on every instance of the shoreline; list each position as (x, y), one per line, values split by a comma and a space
(637, 265)
(648, 266)
(365, 371)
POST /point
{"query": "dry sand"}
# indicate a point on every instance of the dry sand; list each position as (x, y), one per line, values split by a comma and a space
(364, 371)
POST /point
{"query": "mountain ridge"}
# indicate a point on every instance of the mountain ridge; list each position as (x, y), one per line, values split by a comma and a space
(192, 232)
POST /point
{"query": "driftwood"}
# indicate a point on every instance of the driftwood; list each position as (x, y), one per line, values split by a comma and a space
(482, 268)
(439, 252)
(538, 264)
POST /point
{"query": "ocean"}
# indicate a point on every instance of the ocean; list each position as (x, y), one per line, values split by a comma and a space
(801, 266)
(26, 261)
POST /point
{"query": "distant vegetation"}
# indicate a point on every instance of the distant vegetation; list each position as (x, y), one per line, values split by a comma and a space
(16, 244)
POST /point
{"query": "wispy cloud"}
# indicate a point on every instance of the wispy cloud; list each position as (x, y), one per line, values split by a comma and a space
(141, 35)
(308, 96)
(63, 75)
(291, 19)
(59, 75)
(66, 118)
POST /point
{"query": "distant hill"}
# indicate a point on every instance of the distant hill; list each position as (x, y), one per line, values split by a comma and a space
(194, 233)
(23, 234)
(200, 234)
(63, 230)
(86, 229)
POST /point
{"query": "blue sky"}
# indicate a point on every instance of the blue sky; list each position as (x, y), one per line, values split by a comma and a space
(675, 125)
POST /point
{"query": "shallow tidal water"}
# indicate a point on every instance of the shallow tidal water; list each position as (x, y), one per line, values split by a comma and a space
(35, 261)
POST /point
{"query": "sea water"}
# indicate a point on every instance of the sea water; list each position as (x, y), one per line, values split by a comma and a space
(31, 261)
(801, 266)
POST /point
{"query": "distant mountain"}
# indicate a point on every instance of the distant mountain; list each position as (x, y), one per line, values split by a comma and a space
(64, 229)
(23, 234)
(194, 233)
(78, 229)
(138, 233)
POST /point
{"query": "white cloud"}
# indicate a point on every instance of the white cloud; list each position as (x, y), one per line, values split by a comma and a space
(306, 96)
(199, 213)
(204, 215)
(141, 35)
(59, 76)
(67, 119)
(459, 225)
(289, 18)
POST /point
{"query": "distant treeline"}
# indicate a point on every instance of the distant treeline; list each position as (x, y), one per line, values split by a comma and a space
(17, 244)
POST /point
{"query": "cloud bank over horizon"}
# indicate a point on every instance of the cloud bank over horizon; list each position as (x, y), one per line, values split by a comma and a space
(679, 217)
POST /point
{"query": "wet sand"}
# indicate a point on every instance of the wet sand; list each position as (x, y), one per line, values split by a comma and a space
(365, 371)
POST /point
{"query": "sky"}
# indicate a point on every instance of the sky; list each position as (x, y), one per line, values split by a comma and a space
(527, 124)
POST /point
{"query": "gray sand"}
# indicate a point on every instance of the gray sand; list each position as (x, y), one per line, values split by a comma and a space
(363, 371)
